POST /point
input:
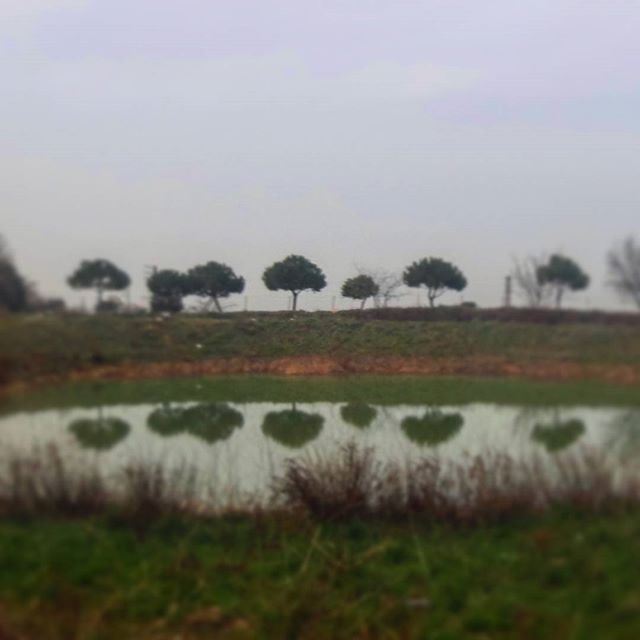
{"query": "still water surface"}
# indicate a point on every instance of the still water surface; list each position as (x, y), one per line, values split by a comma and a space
(242, 444)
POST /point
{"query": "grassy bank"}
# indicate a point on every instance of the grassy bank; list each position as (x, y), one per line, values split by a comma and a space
(374, 390)
(559, 577)
(57, 345)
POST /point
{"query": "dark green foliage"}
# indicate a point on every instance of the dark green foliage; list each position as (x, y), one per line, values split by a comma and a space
(292, 428)
(558, 436)
(214, 280)
(101, 275)
(13, 289)
(212, 422)
(167, 420)
(294, 274)
(168, 288)
(438, 276)
(358, 414)
(101, 433)
(433, 428)
(562, 274)
(360, 288)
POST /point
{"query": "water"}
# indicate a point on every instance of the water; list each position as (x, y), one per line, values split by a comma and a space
(241, 444)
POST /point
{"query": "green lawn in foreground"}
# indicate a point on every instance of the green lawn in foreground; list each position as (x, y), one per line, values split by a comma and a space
(559, 577)
(31, 345)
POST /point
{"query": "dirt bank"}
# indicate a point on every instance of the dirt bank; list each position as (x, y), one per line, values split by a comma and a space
(336, 366)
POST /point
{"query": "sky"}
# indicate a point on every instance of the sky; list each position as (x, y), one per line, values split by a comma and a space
(359, 133)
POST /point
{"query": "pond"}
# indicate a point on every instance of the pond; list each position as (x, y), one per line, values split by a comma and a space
(240, 431)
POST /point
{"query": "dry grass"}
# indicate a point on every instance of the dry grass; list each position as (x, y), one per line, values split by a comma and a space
(351, 483)
(478, 490)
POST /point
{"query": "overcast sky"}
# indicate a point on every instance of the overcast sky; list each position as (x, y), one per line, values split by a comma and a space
(351, 131)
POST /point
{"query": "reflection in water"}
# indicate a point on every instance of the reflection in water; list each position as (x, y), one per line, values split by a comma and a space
(101, 433)
(210, 422)
(433, 428)
(292, 428)
(558, 435)
(624, 437)
(167, 420)
(358, 414)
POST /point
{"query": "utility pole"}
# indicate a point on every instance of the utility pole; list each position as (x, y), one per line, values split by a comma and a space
(508, 291)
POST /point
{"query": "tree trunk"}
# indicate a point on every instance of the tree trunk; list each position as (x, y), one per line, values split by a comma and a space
(432, 300)
(364, 300)
(295, 300)
(559, 293)
(217, 303)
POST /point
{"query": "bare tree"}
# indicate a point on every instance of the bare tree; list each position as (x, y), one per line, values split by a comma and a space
(527, 283)
(624, 270)
(389, 285)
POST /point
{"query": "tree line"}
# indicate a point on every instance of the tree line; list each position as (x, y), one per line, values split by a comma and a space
(540, 281)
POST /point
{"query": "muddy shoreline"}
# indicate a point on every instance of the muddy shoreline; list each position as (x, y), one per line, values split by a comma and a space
(538, 370)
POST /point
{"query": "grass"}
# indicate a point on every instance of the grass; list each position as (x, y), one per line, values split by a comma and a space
(562, 576)
(376, 390)
(56, 345)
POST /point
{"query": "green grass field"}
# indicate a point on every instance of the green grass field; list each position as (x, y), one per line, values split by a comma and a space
(561, 577)
(55, 345)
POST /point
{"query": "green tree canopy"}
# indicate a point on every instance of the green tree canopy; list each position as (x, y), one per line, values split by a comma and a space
(433, 428)
(294, 274)
(168, 287)
(13, 289)
(214, 280)
(360, 288)
(562, 274)
(292, 428)
(559, 435)
(438, 276)
(101, 275)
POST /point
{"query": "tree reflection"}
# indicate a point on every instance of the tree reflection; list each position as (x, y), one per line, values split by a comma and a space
(292, 428)
(100, 433)
(167, 420)
(433, 428)
(210, 422)
(558, 435)
(358, 414)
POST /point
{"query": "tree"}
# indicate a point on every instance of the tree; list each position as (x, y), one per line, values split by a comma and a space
(436, 275)
(294, 274)
(624, 270)
(13, 288)
(213, 280)
(388, 283)
(562, 274)
(168, 288)
(101, 275)
(360, 288)
(525, 277)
